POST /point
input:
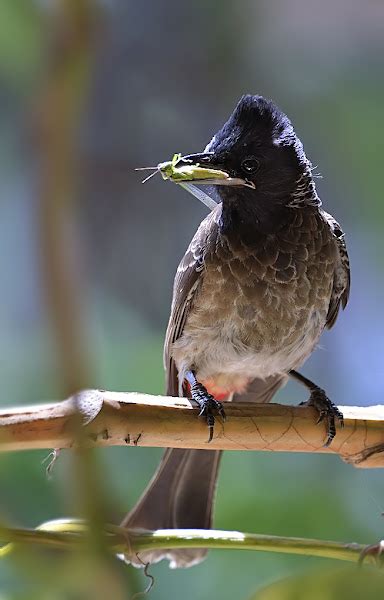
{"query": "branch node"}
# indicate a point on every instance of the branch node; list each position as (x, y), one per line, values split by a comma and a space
(88, 403)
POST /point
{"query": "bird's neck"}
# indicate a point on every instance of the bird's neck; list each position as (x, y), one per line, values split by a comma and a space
(249, 213)
(304, 192)
(250, 220)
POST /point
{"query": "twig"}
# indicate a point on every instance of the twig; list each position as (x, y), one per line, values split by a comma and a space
(119, 419)
(57, 120)
(66, 534)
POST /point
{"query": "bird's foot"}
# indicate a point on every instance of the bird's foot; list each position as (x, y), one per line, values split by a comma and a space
(208, 406)
(328, 412)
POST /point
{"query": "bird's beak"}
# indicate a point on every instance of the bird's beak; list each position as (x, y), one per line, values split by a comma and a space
(200, 169)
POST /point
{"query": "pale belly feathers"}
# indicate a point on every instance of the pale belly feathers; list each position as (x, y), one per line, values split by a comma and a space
(231, 338)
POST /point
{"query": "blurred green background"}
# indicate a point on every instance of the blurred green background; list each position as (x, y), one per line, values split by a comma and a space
(90, 90)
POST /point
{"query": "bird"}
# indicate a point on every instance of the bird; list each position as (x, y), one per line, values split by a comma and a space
(265, 273)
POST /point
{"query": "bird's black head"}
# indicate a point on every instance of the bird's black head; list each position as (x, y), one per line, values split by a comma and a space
(257, 145)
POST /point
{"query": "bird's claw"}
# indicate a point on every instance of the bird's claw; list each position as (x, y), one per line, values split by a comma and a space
(208, 406)
(328, 412)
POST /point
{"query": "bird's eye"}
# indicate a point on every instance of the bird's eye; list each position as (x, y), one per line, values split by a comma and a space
(250, 165)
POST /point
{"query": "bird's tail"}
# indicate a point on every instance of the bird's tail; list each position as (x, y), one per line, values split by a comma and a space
(179, 496)
(182, 491)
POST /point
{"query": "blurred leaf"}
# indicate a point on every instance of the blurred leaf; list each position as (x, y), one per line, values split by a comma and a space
(20, 40)
(348, 583)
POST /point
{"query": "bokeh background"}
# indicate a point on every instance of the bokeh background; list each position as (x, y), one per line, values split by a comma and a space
(90, 90)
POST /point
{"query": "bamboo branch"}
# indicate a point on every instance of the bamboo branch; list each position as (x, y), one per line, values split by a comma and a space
(118, 419)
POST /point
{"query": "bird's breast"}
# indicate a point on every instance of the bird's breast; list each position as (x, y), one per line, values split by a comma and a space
(260, 311)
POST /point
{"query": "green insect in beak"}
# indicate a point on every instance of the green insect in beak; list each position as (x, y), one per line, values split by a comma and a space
(193, 172)
(184, 170)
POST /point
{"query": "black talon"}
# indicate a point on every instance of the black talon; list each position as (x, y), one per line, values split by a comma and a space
(327, 411)
(319, 400)
(208, 405)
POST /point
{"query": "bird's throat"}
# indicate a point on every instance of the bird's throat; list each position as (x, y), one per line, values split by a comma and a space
(249, 215)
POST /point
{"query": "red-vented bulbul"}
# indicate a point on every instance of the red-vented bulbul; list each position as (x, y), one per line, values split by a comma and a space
(265, 273)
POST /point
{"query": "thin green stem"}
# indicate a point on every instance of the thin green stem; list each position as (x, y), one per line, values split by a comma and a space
(194, 538)
(66, 534)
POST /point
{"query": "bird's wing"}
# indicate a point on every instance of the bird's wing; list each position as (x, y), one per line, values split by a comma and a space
(264, 390)
(187, 282)
(342, 276)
